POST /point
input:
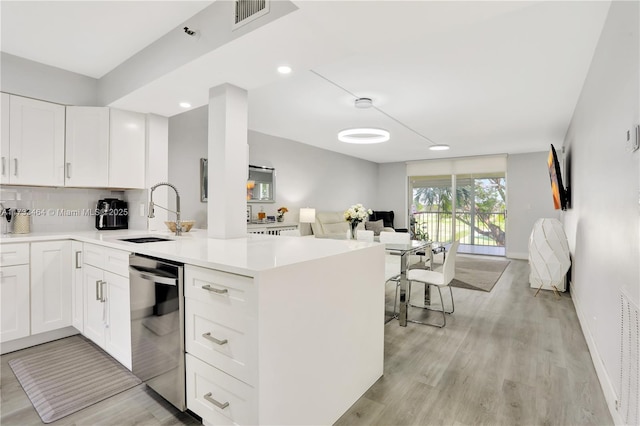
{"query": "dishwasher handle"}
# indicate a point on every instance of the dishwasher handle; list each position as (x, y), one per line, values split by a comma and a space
(154, 275)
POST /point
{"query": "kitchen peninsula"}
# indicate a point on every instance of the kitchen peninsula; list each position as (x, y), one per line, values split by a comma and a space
(304, 319)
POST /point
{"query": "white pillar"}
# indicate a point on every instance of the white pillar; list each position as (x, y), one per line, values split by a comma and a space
(228, 162)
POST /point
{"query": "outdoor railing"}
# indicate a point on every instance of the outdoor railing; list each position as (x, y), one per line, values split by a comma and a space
(488, 228)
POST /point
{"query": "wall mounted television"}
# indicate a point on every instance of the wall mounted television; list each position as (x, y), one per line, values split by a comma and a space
(560, 194)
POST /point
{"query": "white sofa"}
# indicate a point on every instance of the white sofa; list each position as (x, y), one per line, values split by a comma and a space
(333, 223)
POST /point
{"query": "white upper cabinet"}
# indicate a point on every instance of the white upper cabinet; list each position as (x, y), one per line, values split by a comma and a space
(36, 142)
(87, 147)
(127, 149)
(4, 176)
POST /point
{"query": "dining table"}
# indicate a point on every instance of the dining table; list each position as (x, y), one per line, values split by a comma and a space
(404, 251)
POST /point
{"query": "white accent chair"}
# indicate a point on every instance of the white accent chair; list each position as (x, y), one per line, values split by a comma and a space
(392, 265)
(364, 235)
(290, 233)
(437, 279)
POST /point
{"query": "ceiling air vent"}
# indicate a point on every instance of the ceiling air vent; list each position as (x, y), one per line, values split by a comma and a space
(246, 11)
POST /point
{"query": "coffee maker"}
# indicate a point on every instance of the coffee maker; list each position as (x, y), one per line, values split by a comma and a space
(112, 213)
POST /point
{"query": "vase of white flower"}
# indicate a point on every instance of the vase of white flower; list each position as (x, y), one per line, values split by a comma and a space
(354, 215)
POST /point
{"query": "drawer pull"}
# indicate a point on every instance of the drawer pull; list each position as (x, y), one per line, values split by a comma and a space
(215, 290)
(216, 403)
(208, 336)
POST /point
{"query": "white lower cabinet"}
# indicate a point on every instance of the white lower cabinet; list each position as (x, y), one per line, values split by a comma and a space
(77, 288)
(221, 344)
(218, 397)
(107, 318)
(35, 289)
(14, 301)
(50, 286)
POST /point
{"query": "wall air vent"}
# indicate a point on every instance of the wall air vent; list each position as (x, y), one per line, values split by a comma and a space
(246, 11)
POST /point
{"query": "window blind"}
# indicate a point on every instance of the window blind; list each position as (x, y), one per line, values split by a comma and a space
(457, 166)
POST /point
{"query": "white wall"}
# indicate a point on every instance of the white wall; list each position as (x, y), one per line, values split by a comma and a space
(187, 144)
(602, 224)
(35, 80)
(528, 199)
(392, 192)
(306, 176)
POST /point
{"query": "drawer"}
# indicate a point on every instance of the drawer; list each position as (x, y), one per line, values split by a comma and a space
(93, 255)
(220, 289)
(112, 260)
(116, 261)
(205, 384)
(225, 338)
(14, 254)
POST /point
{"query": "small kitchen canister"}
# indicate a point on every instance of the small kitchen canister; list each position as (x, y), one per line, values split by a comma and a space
(22, 222)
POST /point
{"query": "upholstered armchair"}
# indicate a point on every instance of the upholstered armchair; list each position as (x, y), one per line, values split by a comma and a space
(387, 219)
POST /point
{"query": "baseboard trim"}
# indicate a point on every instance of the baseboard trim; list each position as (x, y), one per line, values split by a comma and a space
(517, 255)
(605, 382)
(38, 339)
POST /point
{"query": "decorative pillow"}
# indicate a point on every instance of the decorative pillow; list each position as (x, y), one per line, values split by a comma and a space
(376, 226)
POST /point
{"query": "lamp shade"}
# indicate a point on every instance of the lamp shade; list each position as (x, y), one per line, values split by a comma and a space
(307, 215)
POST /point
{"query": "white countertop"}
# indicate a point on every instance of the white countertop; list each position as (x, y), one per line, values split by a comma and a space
(245, 256)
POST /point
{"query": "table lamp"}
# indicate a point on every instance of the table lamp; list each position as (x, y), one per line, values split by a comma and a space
(307, 215)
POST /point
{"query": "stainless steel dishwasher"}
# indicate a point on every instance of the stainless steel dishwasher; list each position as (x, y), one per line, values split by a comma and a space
(157, 326)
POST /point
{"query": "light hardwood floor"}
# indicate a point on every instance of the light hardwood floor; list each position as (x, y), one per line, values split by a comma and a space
(504, 358)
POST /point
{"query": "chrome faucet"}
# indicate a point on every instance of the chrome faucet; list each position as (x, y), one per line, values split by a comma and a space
(152, 205)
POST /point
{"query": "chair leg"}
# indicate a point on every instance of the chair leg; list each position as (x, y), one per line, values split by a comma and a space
(453, 305)
(443, 310)
(444, 316)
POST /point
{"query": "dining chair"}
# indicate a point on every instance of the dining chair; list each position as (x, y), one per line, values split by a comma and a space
(364, 235)
(290, 233)
(392, 263)
(437, 279)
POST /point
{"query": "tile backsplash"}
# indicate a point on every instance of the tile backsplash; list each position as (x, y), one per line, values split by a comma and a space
(66, 209)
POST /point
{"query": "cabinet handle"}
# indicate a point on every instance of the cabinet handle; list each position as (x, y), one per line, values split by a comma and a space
(4, 165)
(214, 402)
(209, 337)
(98, 290)
(78, 260)
(68, 170)
(15, 167)
(215, 290)
(103, 298)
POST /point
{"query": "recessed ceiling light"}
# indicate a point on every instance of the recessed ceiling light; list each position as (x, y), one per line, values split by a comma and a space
(363, 103)
(363, 135)
(439, 147)
(185, 104)
(284, 69)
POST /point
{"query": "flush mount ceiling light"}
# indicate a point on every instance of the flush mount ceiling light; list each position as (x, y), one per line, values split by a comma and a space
(185, 104)
(363, 136)
(364, 103)
(284, 69)
(439, 147)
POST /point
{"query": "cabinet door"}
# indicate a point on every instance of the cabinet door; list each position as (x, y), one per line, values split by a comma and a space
(94, 309)
(77, 288)
(118, 334)
(127, 149)
(14, 302)
(4, 175)
(36, 139)
(50, 286)
(87, 147)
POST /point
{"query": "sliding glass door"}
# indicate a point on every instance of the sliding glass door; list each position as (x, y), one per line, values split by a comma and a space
(478, 201)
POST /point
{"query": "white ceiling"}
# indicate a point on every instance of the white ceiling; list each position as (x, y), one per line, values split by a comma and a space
(483, 77)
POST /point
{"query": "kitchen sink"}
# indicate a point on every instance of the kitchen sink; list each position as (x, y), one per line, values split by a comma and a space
(140, 240)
